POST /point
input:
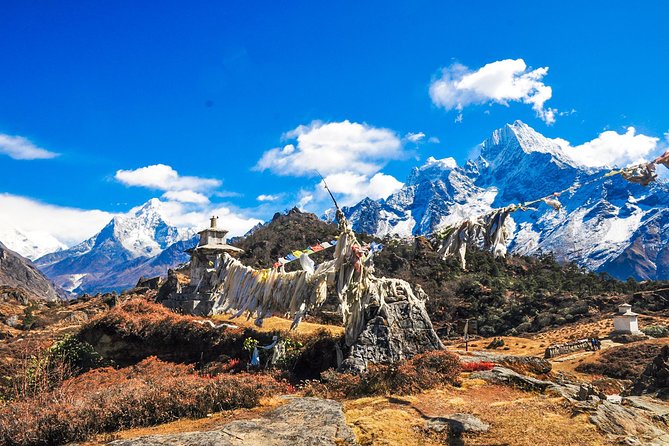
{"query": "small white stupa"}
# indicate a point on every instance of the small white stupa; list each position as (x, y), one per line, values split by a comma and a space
(626, 321)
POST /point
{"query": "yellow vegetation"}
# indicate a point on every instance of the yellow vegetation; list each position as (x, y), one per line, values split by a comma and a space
(280, 324)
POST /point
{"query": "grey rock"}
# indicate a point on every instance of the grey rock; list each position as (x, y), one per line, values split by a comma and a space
(502, 375)
(458, 423)
(655, 378)
(301, 421)
(532, 364)
(630, 424)
(13, 321)
(398, 330)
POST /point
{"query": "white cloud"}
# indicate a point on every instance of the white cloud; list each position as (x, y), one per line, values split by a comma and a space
(21, 148)
(612, 149)
(67, 225)
(165, 178)
(185, 196)
(303, 199)
(433, 140)
(443, 163)
(196, 216)
(415, 137)
(501, 82)
(348, 188)
(268, 197)
(333, 147)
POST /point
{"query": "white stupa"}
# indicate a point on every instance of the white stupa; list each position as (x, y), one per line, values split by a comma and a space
(625, 322)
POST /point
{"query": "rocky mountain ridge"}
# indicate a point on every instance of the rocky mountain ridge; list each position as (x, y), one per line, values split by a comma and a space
(606, 224)
(129, 246)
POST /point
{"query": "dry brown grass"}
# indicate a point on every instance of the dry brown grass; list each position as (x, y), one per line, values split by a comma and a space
(280, 324)
(213, 421)
(106, 400)
(376, 421)
(516, 417)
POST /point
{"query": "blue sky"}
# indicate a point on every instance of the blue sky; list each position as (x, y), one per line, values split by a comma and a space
(208, 88)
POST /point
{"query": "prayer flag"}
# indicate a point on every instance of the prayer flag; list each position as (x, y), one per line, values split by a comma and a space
(291, 257)
(325, 245)
(297, 254)
(317, 248)
(283, 261)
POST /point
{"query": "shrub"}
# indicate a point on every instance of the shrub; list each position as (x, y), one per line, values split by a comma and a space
(477, 366)
(422, 372)
(105, 400)
(656, 331)
(623, 362)
(78, 354)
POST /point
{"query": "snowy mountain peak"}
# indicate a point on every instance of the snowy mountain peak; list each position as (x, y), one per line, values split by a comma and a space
(513, 141)
(608, 224)
(144, 233)
(32, 245)
(128, 241)
(432, 167)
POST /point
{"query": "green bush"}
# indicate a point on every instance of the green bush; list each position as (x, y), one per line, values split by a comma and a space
(79, 355)
(656, 331)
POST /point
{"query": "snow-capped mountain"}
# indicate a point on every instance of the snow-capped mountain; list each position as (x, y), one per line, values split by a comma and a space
(129, 246)
(607, 224)
(30, 245)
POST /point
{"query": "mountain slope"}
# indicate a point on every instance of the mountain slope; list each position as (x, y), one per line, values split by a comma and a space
(18, 272)
(129, 246)
(608, 224)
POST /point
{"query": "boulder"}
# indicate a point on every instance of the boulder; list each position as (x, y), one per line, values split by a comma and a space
(502, 375)
(458, 424)
(394, 331)
(301, 421)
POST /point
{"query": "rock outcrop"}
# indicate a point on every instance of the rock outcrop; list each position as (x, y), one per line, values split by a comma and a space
(634, 420)
(394, 331)
(301, 421)
(457, 424)
(655, 379)
(18, 272)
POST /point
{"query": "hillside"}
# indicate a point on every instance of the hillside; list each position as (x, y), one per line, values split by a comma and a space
(516, 295)
(19, 273)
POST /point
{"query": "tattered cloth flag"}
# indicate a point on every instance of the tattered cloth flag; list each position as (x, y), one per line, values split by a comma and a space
(295, 255)
(642, 174)
(240, 289)
(662, 159)
(491, 228)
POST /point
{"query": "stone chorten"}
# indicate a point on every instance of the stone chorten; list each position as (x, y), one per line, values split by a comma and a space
(625, 322)
(205, 259)
(206, 256)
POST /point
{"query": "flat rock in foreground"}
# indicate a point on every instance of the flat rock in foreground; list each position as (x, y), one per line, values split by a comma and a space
(301, 421)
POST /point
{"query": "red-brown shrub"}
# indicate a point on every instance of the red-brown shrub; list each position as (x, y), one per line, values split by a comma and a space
(104, 400)
(477, 366)
(422, 372)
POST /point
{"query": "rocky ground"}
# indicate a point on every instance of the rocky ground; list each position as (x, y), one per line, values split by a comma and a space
(523, 400)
